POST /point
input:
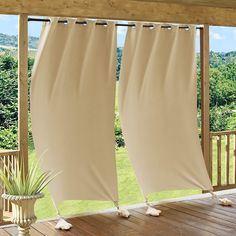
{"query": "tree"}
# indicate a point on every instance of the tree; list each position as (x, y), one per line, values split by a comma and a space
(118, 65)
(8, 102)
(223, 118)
(222, 95)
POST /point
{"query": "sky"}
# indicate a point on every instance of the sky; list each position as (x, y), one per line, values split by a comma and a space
(222, 39)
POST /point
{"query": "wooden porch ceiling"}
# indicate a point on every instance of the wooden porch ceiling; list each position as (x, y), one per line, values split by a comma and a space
(208, 3)
(200, 217)
(213, 12)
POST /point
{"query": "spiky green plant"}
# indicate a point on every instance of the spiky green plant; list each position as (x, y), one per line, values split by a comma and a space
(17, 183)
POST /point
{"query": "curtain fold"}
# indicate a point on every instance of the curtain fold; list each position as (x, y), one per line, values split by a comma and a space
(72, 107)
(158, 109)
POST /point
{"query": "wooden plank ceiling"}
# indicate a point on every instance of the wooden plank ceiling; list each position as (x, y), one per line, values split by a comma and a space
(213, 12)
(209, 3)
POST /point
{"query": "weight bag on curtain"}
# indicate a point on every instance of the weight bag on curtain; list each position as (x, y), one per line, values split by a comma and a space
(72, 106)
(158, 109)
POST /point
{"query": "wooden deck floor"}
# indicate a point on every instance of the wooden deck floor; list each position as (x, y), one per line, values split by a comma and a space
(186, 218)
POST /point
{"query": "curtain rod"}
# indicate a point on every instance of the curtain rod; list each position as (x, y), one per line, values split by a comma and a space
(104, 23)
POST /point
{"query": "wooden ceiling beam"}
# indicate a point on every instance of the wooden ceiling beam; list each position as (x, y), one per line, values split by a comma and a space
(209, 3)
(130, 10)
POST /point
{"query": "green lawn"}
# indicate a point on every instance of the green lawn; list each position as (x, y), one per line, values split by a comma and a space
(129, 192)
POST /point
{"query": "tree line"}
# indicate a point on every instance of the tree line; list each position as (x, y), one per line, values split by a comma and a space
(222, 96)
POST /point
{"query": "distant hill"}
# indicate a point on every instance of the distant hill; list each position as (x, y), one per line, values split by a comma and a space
(219, 58)
(8, 41)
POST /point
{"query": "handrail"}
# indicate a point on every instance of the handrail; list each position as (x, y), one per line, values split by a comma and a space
(223, 155)
(8, 152)
(222, 133)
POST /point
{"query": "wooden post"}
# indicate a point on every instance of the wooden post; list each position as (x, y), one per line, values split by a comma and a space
(205, 97)
(1, 192)
(23, 91)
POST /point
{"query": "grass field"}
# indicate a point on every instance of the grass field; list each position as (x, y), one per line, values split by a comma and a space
(129, 190)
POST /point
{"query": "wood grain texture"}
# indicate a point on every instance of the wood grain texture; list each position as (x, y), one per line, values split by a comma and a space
(205, 97)
(225, 173)
(224, 187)
(131, 10)
(231, 132)
(209, 3)
(23, 90)
(8, 153)
(9, 159)
(3, 232)
(227, 149)
(219, 161)
(199, 217)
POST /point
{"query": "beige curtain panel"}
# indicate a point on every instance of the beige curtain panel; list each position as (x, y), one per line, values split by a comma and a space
(72, 106)
(157, 103)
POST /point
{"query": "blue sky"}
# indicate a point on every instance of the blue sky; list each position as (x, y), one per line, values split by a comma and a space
(222, 39)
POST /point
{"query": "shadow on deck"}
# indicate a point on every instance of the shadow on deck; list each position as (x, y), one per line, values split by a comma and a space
(186, 218)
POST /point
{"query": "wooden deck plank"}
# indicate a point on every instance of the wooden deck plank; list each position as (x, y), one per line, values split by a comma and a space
(195, 221)
(232, 197)
(4, 233)
(143, 226)
(201, 209)
(46, 230)
(210, 218)
(210, 202)
(80, 227)
(13, 231)
(163, 227)
(87, 228)
(126, 223)
(215, 208)
(108, 227)
(35, 232)
(73, 231)
(184, 229)
(127, 227)
(198, 217)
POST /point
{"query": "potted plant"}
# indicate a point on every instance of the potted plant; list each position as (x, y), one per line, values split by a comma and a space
(22, 190)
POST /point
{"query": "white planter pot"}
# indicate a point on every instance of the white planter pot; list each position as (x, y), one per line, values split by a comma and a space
(23, 211)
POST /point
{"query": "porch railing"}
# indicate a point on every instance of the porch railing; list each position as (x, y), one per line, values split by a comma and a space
(8, 160)
(223, 159)
(222, 154)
